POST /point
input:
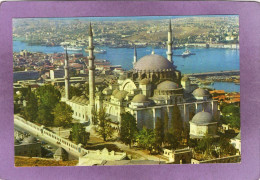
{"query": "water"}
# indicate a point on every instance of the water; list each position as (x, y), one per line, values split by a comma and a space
(227, 86)
(205, 60)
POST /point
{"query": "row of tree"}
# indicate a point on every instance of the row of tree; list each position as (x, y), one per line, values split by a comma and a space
(43, 106)
(163, 135)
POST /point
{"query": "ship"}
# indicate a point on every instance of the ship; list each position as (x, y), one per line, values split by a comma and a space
(187, 53)
(98, 51)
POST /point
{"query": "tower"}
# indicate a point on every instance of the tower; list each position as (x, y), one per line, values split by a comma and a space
(66, 77)
(169, 43)
(91, 71)
(135, 56)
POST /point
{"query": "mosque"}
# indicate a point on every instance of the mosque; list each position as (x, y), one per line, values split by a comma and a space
(148, 91)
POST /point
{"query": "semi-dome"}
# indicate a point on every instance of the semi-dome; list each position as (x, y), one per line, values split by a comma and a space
(153, 62)
(145, 81)
(120, 95)
(202, 118)
(200, 92)
(140, 98)
(167, 85)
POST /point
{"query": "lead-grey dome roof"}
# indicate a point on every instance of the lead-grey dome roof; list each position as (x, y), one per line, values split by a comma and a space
(167, 85)
(139, 98)
(202, 118)
(153, 62)
(200, 92)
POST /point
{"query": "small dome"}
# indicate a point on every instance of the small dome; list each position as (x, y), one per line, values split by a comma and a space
(145, 81)
(202, 118)
(60, 151)
(200, 92)
(139, 98)
(153, 62)
(29, 140)
(185, 78)
(120, 95)
(167, 85)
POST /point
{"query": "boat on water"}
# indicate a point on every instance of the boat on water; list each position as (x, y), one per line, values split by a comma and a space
(187, 53)
(73, 48)
(98, 51)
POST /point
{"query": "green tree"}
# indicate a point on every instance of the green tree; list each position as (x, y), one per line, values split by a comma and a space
(30, 110)
(105, 130)
(128, 128)
(166, 123)
(176, 122)
(171, 140)
(78, 134)
(186, 132)
(94, 116)
(159, 133)
(226, 147)
(146, 139)
(205, 145)
(44, 116)
(231, 115)
(62, 115)
(48, 96)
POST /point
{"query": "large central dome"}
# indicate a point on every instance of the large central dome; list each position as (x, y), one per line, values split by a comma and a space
(154, 63)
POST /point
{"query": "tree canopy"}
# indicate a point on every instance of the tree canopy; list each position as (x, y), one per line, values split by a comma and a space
(105, 130)
(62, 115)
(159, 133)
(146, 139)
(176, 122)
(231, 115)
(128, 128)
(30, 110)
(78, 134)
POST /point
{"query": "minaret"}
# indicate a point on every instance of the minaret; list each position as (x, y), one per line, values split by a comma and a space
(91, 71)
(135, 56)
(66, 76)
(169, 43)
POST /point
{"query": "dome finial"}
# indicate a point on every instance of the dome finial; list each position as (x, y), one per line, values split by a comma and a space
(90, 29)
(170, 25)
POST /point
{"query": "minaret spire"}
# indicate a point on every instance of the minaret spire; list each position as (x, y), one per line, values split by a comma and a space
(169, 43)
(91, 71)
(66, 75)
(135, 56)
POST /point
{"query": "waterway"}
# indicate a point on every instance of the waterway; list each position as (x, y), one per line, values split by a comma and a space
(205, 60)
